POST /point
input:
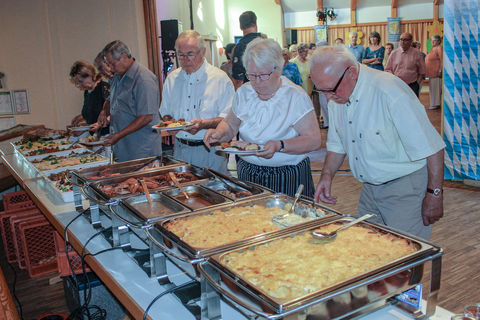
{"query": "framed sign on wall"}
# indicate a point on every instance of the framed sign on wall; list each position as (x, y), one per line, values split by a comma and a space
(21, 104)
(6, 103)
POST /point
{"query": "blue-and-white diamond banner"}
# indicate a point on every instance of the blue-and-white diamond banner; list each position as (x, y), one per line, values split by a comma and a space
(461, 94)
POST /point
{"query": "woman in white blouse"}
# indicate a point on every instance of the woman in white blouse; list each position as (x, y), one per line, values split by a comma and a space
(272, 112)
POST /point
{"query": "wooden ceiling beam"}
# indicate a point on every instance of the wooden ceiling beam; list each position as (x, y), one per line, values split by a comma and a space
(353, 12)
(394, 8)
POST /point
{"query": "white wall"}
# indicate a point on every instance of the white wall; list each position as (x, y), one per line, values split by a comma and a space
(309, 18)
(42, 38)
(373, 14)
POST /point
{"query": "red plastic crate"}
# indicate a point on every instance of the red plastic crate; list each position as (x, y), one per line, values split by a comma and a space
(16, 200)
(39, 247)
(62, 260)
(14, 224)
(6, 230)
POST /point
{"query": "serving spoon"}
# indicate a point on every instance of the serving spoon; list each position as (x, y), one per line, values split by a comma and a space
(174, 179)
(332, 235)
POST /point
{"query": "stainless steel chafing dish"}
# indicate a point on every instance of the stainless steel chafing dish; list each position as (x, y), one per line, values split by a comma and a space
(199, 197)
(186, 252)
(338, 300)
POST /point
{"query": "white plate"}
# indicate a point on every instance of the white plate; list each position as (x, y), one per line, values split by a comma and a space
(82, 128)
(231, 150)
(91, 143)
(186, 125)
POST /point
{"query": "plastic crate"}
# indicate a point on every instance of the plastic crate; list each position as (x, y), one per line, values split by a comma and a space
(14, 225)
(6, 230)
(62, 259)
(39, 247)
(16, 200)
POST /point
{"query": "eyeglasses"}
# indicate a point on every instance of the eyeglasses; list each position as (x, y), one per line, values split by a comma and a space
(189, 55)
(334, 90)
(262, 76)
(405, 40)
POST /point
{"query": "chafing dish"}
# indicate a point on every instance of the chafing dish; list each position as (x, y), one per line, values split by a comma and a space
(199, 197)
(236, 192)
(181, 247)
(337, 300)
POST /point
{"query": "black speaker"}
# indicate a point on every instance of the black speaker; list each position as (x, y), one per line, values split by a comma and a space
(291, 35)
(169, 31)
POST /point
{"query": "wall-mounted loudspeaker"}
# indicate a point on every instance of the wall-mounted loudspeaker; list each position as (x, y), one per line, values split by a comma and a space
(291, 35)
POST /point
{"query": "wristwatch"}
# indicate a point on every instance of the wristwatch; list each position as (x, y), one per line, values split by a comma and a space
(282, 146)
(436, 191)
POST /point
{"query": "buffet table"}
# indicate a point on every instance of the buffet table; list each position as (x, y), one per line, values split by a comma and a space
(119, 272)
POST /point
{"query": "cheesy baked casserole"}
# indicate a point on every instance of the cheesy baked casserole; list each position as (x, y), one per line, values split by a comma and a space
(293, 267)
(238, 223)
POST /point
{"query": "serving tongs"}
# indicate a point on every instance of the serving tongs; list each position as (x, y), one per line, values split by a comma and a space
(332, 235)
(158, 158)
(174, 179)
(224, 179)
(225, 183)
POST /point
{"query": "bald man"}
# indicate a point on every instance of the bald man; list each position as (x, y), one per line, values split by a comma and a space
(392, 147)
(407, 63)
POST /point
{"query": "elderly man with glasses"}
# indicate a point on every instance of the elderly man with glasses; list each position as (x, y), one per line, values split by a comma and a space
(199, 93)
(392, 147)
(274, 113)
(407, 63)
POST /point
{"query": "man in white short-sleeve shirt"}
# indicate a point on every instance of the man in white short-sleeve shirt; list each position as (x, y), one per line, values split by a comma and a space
(201, 94)
(392, 147)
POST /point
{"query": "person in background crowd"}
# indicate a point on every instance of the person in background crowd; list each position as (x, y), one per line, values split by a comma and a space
(248, 24)
(106, 71)
(311, 48)
(134, 101)
(374, 53)
(339, 41)
(102, 66)
(388, 51)
(293, 51)
(199, 93)
(84, 76)
(434, 66)
(355, 48)
(417, 45)
(227, 66)
(407, 63)
(290, 70)
(392, 147)
(304, 67)
(276, 114)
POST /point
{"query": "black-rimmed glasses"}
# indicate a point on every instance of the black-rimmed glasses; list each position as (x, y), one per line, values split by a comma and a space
(262, 76)
(189, 55)
(334, 90)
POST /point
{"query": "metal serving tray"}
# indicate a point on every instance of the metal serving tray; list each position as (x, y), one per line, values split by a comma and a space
(96, 185)
(302, 209)
(219, 187)
(162, 207)
(90, 174)
(199, 198)
(399, 271)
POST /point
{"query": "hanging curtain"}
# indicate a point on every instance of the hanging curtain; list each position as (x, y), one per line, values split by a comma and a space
(151, 30)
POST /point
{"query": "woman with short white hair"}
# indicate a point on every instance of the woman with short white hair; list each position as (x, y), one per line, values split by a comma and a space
(276, 114)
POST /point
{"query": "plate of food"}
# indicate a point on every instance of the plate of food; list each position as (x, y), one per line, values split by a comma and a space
(81, 128)
(91, 141)
(239, 147)
(172, 125)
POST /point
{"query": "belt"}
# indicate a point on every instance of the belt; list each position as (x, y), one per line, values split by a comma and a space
(191, 143)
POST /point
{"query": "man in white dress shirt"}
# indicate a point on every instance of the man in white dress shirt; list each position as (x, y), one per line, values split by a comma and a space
(199, 93)
(393, 149)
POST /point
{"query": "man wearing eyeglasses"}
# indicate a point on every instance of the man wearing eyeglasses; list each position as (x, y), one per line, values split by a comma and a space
(199, 93)
(392, 147)
(407, 63)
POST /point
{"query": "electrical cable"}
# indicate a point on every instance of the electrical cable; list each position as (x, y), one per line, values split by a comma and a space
(20, 310)
(164, 293)
(65, 239)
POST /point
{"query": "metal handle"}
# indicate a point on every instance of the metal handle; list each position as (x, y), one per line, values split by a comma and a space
(351, 223)
(69, 179)
(87, 195)
(131, 224)
(233, 298)
(169, 252)
(297, 196)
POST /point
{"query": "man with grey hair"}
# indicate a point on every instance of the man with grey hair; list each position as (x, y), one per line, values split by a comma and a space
(356, 49)
(199, 93)
(392, 147)
(134, 101)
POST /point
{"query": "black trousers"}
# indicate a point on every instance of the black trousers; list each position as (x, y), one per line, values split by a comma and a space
(415, 87)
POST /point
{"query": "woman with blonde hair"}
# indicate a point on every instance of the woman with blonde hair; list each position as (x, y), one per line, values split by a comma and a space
(86, 78)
